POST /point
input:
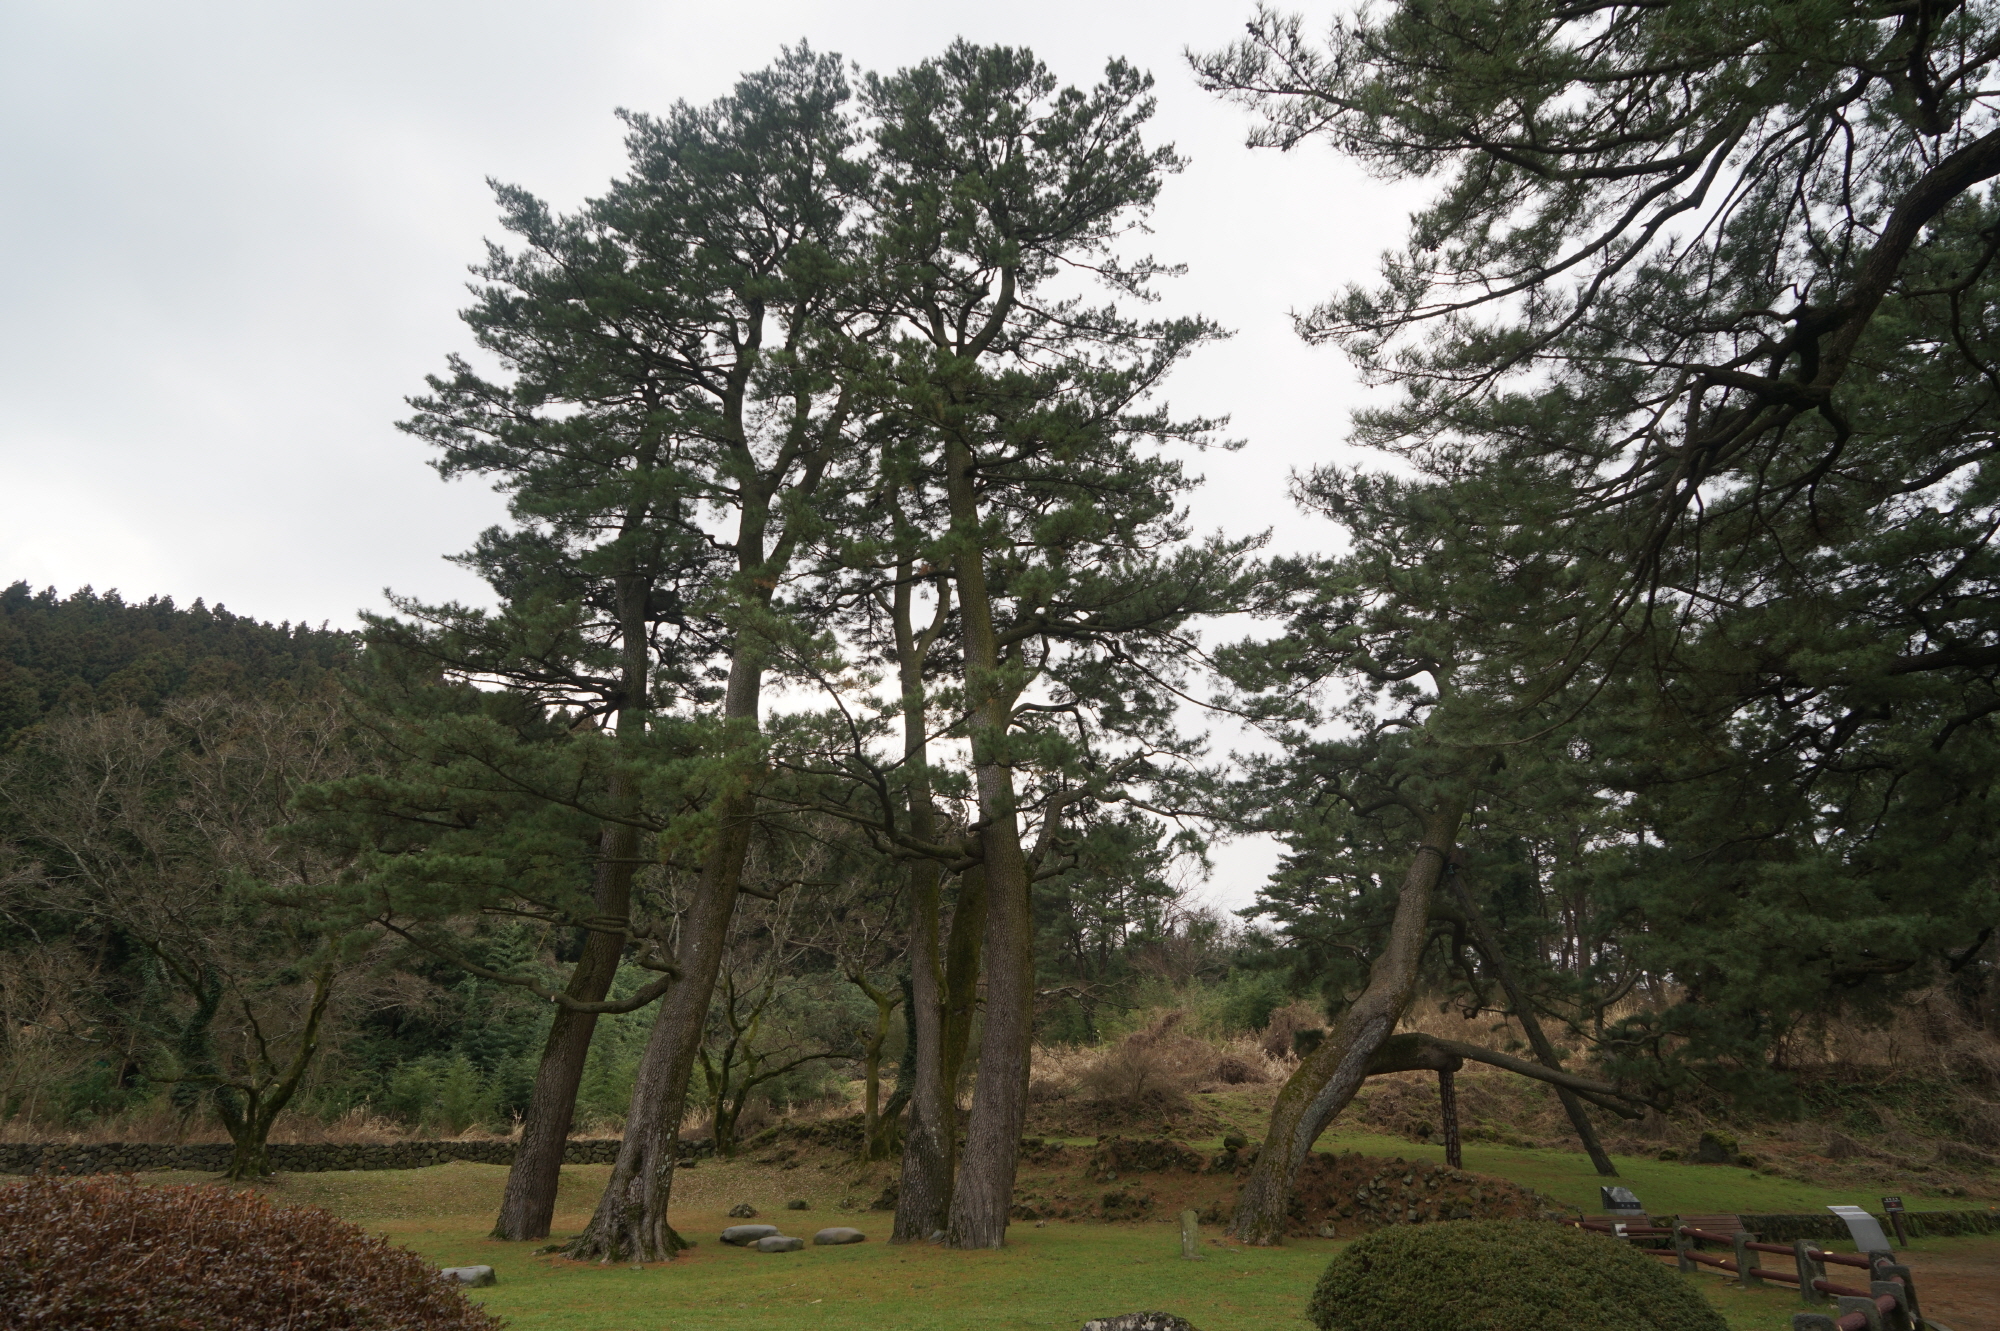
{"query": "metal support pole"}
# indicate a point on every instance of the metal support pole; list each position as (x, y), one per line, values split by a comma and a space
(1448, 1113)
(1893, 1270)
(1903, 1319)
(1850, 1303)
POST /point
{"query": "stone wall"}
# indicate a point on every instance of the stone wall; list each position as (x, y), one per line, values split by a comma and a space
(213, 1157)
(1827, 1227)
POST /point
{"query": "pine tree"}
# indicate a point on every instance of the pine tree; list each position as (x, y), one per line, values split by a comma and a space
(1031, 410)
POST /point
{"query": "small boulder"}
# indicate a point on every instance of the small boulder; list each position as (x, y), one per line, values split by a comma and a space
(745, 1235)
(742, 1211)
(839, 1234)
(1715, 1149)
(1140, 1322)
(780, 1243)
(478, 1277)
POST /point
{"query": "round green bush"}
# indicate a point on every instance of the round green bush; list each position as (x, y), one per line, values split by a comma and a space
(1503, 1275)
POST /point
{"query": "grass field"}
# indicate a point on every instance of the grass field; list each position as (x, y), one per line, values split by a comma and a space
(1050, 1277)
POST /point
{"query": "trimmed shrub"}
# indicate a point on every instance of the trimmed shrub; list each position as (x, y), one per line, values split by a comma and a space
(1502, 1275)
(104, 1252)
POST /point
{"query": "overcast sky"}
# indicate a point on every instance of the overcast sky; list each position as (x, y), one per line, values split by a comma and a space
(236, 237)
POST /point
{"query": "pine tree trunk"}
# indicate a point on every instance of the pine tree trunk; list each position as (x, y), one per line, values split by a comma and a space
(1517, 998)
(984, 1191)
(1329, 1076)
(924, 1193)
(923, 1197)
(962, 960)
(529, 1203)
(944, 1033)
(631, 1218)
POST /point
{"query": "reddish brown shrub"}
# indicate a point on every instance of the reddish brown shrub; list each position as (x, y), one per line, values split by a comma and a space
(1233, 1071)
(104, 1252)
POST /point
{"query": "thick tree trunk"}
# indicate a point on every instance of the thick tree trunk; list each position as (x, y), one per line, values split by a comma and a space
(529, 1203)
(962, 960)
(631, 1217)
(943, 1028)
(1329, 1076)
(984, 1191)
(1517, 998)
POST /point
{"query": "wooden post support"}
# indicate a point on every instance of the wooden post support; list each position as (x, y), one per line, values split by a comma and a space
(1448, 1114)
(1809, 1271)
(1681, 1245)
(1190, 1236)
(1746, 1263)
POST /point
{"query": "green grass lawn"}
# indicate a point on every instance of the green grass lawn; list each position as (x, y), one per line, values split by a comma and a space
(1665, 1187)
(1053, 1277)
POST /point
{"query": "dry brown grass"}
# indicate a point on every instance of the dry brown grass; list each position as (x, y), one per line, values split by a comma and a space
(1160, 1063)
(160, 1122)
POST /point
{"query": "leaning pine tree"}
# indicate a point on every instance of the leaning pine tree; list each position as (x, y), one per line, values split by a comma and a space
(1444, 640)
(1704, 303)
(682, 346)
(543, 799)
(736, 231)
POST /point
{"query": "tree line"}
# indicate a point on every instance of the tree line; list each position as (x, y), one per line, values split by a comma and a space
(848, 621)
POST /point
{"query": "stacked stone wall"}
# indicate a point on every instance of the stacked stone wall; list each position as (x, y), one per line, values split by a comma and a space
(287, 1158)
(1824, 1227)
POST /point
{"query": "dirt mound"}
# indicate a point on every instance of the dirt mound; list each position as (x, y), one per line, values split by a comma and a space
(1139, 1155)
(1151, 1116)
(847, 1133)
(1346, 1193)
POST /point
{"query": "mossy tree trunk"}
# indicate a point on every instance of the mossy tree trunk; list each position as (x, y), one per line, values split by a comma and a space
(1328, 1077)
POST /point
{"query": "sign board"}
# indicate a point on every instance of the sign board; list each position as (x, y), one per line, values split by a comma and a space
(1620, 1199)
(1892, 1203)
(1865, 1229)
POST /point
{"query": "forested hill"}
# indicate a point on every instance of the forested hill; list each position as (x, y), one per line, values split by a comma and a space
(90, 650)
